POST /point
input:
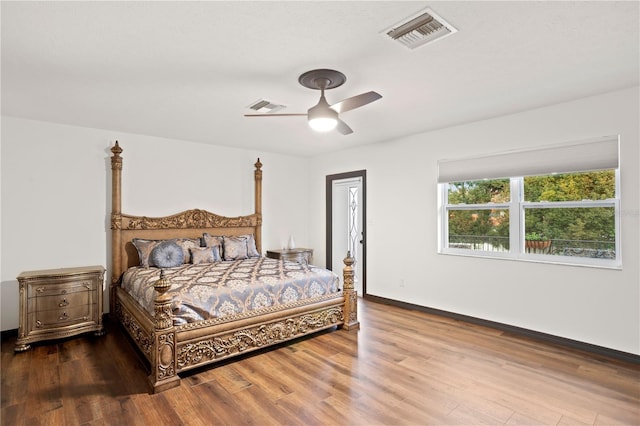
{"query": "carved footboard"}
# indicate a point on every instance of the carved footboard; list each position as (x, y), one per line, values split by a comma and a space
(240, 340)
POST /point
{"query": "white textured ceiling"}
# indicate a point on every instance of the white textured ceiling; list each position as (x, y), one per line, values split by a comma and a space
(188, 70)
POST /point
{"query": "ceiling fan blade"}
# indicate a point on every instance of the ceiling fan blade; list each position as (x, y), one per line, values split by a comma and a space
(343, 127)
(275, 115)
(355, 101)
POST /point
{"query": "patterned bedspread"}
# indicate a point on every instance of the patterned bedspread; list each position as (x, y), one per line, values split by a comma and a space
(222, 289)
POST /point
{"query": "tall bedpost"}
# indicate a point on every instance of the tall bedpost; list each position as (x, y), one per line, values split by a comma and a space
(258, 204)
(350, 296)
(116, 221)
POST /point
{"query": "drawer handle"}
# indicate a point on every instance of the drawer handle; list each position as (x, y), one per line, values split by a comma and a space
(63, 303)
(63, 317)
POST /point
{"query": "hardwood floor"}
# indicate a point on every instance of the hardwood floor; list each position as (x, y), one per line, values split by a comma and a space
(402, 367)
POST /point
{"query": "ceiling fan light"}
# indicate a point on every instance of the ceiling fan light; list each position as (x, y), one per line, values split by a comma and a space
(321, 117)
(323, 124)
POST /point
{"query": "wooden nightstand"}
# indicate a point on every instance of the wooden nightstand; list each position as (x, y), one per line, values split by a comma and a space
(301, 255)
(58, 303)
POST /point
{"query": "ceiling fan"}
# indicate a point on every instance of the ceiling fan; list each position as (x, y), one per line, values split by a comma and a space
(324, 117)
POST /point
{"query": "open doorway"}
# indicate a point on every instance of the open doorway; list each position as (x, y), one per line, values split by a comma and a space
(346, 224)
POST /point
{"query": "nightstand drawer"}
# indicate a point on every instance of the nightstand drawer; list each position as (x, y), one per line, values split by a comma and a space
(60, 317)
(63, 287)
(60, 301)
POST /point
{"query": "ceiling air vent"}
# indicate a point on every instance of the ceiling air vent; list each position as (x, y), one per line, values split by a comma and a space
(263, 106)
(419, 29)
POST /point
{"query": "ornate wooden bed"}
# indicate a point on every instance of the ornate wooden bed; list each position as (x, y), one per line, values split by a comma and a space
(171, 349)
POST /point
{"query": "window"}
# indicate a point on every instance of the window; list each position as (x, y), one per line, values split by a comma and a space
(564, 208)
(478, 215)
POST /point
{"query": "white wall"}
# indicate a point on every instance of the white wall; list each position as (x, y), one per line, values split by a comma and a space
(597, 306)
(55, 210)
(56, 195)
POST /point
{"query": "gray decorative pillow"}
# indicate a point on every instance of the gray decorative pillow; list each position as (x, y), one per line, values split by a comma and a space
(252, 251)
(186, 244)
(211, 240)
(204, 255)
(217, 257)
(167, 254)
(144, 248)
(235, 248)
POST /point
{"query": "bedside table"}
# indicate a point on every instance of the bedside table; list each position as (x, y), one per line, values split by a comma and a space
(57, 303)
(300, 255)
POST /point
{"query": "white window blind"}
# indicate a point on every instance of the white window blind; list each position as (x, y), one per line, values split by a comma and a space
(598, 154)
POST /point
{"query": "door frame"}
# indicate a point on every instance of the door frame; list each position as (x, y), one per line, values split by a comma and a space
(329, 220)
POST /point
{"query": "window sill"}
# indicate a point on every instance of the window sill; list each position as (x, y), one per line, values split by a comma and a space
(536, 258)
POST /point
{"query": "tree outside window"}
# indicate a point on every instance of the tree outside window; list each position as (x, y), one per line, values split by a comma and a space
(570, 216)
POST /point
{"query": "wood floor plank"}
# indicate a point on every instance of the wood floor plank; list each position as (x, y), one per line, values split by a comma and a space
(79, 407)
(269, 376)
(191, 410)
(403, 367)
(120, 410)
(464, 415)
(564, 421)
(155, 410)
(12, 414)
(223, 408)
(44, 384)
(300, 411)
(229, 378)
(263, 411)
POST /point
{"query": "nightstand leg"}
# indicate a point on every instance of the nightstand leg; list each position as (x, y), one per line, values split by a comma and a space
(21, 347)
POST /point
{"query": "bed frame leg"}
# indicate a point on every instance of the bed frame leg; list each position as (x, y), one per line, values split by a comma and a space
(350, 296)
(163, 372)
(163, 361)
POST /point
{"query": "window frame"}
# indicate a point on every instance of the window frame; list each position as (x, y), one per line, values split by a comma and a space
(516, 207)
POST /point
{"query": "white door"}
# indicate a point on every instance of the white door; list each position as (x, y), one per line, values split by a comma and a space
(347, 229)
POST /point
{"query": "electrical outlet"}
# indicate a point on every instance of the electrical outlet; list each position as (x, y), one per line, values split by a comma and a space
(402, 282)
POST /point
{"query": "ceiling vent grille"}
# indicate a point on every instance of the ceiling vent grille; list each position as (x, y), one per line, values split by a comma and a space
(420, 29)
(263, 106)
